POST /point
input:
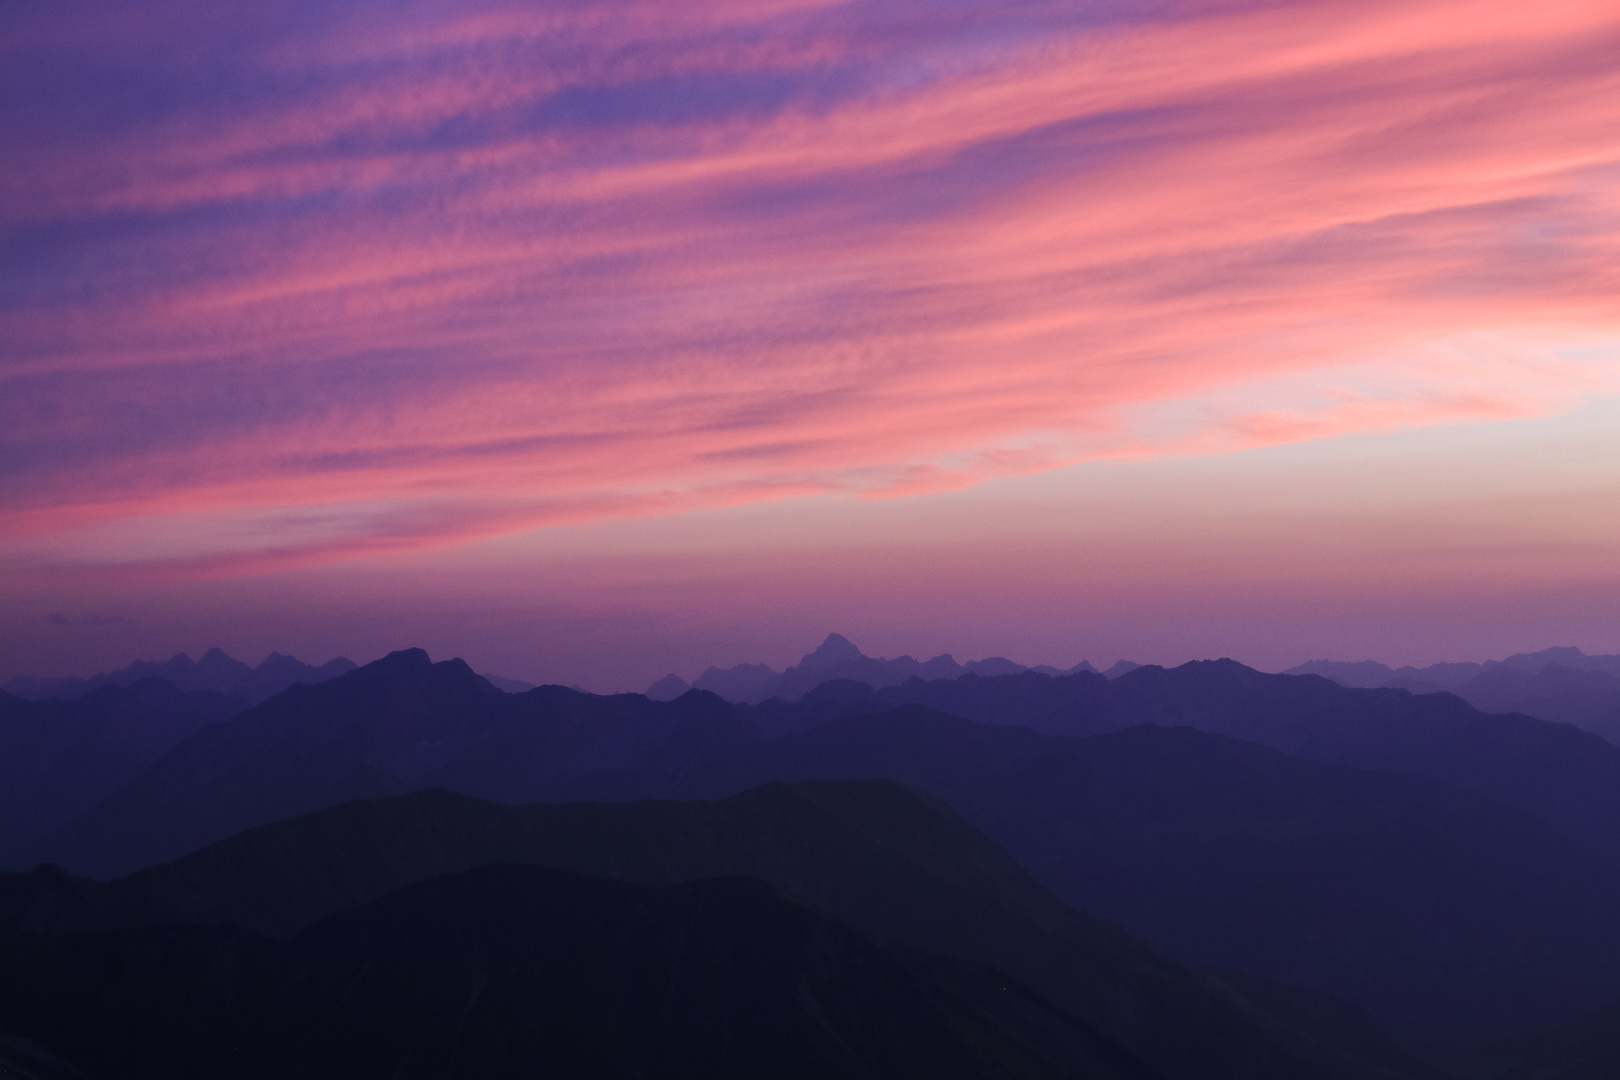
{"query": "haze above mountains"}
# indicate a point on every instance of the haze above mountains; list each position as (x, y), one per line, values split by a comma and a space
(1198, 872)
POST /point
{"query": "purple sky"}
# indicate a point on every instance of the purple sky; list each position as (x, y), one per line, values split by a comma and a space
(593, 340)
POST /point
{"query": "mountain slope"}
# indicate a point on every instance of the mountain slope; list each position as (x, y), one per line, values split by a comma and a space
(1568, 777)
(1446, 914)
(888, 859)
(400, 723)
(60, 758)
(1561, 685)
(521, 970)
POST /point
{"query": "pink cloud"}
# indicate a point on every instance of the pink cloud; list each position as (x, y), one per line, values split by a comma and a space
(510, 269)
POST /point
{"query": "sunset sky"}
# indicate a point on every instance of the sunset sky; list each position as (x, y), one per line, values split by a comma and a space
(593, 340)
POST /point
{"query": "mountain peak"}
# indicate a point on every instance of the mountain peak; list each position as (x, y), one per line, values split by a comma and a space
(404, 660)
(836, 649)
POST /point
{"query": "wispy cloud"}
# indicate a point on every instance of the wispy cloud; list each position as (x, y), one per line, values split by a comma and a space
(300, 282)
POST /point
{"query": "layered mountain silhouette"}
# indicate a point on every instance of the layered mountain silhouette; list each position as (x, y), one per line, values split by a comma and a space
(836, 658)
(887, 859)
(1384, 889)
(216, 671)
(1587, 1049)
(1568, 777)
(1561, 684)
(509, 970)
(1480, 845)
(395, 725)
(58, 759)
(1342, 858)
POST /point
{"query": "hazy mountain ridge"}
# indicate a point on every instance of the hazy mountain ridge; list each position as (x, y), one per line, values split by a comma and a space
(837, 658)
(58, 759)
(1443, 881)
(1559, 684)
(1568, 777)
(216, 671)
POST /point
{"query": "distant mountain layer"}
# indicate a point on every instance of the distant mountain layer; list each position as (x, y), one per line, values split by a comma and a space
(509, 970)
(838, 658)
(58, 759)
(215, 671)
(1562, 685)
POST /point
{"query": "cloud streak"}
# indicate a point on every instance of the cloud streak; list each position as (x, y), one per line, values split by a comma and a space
(303, 283)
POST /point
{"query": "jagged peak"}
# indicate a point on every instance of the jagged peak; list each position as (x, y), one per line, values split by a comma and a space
(835, 649)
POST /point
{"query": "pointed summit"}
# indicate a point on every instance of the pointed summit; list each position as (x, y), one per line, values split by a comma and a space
(837, 649)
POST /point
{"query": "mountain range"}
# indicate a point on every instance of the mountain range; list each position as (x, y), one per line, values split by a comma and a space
(520, 970)
(838, 658)
(1560, 684)
(882, 857)
(217, 671)
(1188, 872)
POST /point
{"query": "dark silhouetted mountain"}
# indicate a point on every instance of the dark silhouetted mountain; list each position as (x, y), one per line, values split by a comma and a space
(1583, 697)
(215, 671)
(1330, 1020)
(60, 758)
(395, 725)
(1444, 913)
(1588, 1049)
(406, 722)
(379, 730)
(669, 688)
(886, 858)
(1562, 684)
(1120, 667)
(507, 971)
(21, 1059)
(1569, 777)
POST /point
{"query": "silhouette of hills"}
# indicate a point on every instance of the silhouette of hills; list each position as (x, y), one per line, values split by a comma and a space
(399, 723)
(1487, 848)
(1561, 684)
(1383, 889)
(216, 671)
(888, 859)
(1569, 778)
(836, 658)
(60, 758)
(1586, 1049)
(510, 970)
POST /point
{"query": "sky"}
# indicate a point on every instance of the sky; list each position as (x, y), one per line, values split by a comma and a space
(592, 340)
